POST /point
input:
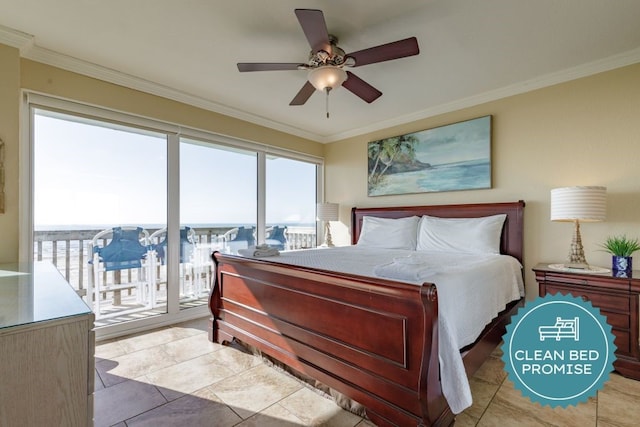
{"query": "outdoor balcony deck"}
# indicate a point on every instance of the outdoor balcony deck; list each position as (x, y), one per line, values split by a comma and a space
(68, 251)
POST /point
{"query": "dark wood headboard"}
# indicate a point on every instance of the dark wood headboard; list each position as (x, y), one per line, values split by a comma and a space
(512, 232)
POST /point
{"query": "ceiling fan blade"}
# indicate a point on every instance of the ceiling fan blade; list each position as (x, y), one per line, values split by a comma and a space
(361, 88)
(315, 28)
(386, 52)
(266, 66)
(303, 95)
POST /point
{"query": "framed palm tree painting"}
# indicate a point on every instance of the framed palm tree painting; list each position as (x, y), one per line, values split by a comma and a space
(446, 158)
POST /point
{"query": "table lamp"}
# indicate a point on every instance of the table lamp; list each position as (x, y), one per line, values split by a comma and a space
(327, 212)
(575, 204)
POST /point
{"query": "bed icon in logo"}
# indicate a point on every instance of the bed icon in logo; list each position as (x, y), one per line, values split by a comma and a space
(564, 328)
(562, 363)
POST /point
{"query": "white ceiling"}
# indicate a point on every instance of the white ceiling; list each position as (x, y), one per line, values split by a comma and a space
(470, 51)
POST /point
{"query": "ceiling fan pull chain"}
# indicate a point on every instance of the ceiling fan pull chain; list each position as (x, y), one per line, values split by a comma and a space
(327, 89)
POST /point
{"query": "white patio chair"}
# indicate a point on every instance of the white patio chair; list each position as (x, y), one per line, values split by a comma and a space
(187, 251)
(126, 249)
(238, 238)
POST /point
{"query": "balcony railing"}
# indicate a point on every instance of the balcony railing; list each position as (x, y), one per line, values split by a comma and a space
(68, 249)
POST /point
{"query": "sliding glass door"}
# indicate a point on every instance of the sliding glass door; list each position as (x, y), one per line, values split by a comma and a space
(218, 210)
(290, 200)
(130, 209)
(99, 197)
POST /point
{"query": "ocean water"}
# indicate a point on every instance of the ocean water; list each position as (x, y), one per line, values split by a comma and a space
(469, 175)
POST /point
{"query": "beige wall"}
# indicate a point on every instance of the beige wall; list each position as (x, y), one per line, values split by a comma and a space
(9, 130)
(17, 74)
(54, 81)
(584, 132)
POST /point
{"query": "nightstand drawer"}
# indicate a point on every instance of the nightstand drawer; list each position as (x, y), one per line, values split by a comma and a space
(615, 284)
(622, 341)
(617, 320)
(618, 303)
(616, 297)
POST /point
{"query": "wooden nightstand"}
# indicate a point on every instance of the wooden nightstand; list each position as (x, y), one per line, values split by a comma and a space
(617, 299)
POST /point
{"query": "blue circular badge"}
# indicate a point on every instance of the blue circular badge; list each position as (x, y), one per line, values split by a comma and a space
(558, 350)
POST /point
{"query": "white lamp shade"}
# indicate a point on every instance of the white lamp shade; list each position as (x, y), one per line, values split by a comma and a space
(327, 77)
(579, 203)
(327, 211)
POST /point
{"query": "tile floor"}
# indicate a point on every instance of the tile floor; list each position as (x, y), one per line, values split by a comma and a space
(175, 377)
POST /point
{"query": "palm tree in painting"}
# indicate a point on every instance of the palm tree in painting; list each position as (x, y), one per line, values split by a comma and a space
(384, 153)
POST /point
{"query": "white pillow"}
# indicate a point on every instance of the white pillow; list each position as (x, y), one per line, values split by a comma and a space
(468, 235)
(389, 233)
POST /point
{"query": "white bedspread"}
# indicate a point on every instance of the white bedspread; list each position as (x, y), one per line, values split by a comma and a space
(472, 290)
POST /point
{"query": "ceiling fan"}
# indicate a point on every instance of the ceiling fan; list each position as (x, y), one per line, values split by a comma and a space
(327, 60)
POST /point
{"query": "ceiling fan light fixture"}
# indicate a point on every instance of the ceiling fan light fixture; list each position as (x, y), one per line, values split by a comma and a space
(327, 77)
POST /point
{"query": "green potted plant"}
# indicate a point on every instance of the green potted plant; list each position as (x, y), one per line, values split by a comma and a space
(621, 248)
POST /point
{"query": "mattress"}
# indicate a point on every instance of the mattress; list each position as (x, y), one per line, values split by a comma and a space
(472, 290)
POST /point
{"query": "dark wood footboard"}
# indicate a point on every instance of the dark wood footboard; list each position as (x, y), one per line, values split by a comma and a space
(374, 340)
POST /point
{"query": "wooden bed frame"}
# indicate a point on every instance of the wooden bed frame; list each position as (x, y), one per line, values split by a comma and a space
(374, 340)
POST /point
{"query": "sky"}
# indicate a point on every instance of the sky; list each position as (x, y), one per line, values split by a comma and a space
(87, 175)
(469, 140)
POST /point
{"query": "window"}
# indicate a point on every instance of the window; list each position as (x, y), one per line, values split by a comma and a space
(190, 192)
(290, 203)
(89, 178)
(218, 197)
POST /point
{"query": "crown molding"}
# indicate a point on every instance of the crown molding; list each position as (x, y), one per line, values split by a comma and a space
(29, 50)
(89, 69)
(585, 70)
(15, 38)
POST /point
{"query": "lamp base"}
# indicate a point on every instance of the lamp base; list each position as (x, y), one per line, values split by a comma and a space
(576, 257)
(328, 242)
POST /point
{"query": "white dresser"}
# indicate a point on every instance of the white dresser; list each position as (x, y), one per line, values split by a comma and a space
(47, 349)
